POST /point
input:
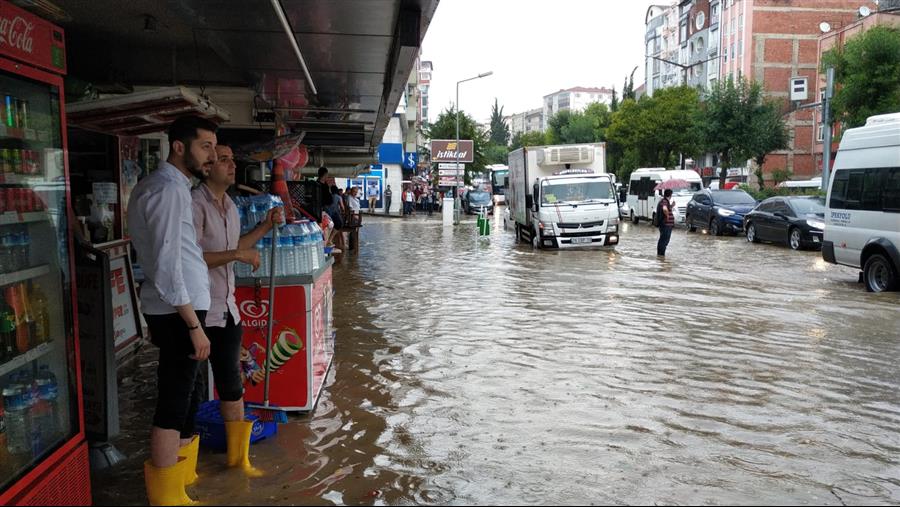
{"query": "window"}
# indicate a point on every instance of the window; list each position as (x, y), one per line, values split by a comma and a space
(700, 20)
(740, 47)
(892, 191)
(700, 43)
(867, 190)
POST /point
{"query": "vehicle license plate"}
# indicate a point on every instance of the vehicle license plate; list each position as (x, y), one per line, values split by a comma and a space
(580, 241)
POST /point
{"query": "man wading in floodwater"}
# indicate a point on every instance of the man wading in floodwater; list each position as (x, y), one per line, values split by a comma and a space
(666, 217)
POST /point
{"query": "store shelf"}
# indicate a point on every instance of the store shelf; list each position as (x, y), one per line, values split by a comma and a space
(24, 134)
(24, 275)
(26, 358)
(22, 179)
(14, 218)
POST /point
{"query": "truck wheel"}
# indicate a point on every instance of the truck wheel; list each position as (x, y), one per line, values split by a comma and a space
(518, 234)
(634, 218)
(879, 274)
(535, 240)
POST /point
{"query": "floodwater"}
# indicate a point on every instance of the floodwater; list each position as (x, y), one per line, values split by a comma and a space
(482, 372)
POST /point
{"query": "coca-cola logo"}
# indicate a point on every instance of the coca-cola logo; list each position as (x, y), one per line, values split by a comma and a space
(16, 33)
(253, 310)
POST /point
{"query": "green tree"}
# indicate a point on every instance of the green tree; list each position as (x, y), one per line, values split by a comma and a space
(670, 129)
(533, 138)
(495, 154)
(623, 139)
(600, 118)
(726, 121)
(768, 133)
(445, 128)
(654, 130)
(867, 75)
(499, 128)
(614, 105)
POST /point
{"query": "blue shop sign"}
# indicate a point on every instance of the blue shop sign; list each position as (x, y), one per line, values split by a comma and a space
(410, 160)
(390, 153)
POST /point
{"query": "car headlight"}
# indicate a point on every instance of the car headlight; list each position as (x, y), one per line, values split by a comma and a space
(816, 224)
(725, 212)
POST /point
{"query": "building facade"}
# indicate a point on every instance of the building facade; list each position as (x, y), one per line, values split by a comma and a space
(573, 99)
(768, 41)
(662, 48)
(772, 42)
(523, 123)
(889, 15)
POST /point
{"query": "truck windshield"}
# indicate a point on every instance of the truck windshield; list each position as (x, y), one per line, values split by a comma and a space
(576, 191)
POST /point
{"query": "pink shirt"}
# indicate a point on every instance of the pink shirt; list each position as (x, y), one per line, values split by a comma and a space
(218, 229)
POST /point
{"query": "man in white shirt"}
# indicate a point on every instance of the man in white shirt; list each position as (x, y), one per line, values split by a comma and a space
(175, 298)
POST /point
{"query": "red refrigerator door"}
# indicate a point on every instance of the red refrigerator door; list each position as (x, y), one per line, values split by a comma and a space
(42, 450)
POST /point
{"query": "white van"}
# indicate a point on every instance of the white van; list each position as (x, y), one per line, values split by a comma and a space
(862, 224)
(642, 198)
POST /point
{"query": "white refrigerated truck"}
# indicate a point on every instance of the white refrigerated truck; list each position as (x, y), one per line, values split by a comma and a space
(562, 197)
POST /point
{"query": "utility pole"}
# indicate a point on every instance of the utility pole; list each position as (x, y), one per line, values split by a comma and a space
(456, 204)
(826, 128)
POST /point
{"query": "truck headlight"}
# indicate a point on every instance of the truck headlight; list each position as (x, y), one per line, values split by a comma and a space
(547, 229)
(725, 212)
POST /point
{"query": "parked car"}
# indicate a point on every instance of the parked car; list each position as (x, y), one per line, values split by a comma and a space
(797, 221)
(719, 211)
(477, 201)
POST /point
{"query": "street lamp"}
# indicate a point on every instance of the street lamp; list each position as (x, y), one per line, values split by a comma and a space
(456, 203)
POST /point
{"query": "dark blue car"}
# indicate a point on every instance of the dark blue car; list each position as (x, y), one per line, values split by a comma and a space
(719, 211)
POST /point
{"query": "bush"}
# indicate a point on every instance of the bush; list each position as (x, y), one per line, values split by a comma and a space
(765, 193)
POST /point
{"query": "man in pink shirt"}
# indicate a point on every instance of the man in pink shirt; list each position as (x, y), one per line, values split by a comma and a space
(218, 234)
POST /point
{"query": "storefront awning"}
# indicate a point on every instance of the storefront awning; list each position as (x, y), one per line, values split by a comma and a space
(141, 112)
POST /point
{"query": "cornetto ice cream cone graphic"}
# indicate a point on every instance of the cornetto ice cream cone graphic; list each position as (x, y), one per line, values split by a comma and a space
(285, 347)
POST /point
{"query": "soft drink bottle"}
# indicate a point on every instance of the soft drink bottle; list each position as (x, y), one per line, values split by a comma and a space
(40, 310)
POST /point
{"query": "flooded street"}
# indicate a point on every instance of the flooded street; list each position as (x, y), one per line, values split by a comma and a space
(485, 372)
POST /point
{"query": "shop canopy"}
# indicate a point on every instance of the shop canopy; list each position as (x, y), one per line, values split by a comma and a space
(335, 70)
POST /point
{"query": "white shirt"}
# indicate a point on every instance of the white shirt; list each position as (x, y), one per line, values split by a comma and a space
(354, 203)
(161, 225)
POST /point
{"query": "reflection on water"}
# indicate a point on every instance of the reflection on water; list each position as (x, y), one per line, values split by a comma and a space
(485, 372)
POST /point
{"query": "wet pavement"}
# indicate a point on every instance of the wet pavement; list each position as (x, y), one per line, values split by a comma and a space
(481, 372)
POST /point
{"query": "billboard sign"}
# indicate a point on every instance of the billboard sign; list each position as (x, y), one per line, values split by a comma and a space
(449, 150)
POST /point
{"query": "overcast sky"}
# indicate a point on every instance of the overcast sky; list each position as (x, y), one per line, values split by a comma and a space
(533, 47)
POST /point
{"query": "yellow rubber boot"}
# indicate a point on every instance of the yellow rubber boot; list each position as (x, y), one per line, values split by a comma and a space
(189, 453)
(238, 436)
(165, 486)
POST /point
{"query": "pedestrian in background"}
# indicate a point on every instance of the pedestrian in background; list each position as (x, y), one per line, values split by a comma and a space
(373, 196)
(388, 193)
(665, 214)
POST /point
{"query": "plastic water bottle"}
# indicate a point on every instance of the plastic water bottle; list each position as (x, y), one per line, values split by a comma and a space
(23, 250)
(18, 427)
(263, 258)
(285, 253)
(48, 387)
(318, 247)
(7, 247)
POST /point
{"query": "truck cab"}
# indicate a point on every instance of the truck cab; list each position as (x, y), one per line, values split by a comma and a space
(561, 197)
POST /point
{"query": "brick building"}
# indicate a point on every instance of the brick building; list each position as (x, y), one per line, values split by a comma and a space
(772, 41)
(889, 15)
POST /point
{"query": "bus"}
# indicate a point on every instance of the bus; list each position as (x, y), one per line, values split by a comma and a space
(499, 174)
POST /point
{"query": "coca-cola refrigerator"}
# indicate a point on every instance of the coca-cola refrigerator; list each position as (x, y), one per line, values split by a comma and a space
(43, 451)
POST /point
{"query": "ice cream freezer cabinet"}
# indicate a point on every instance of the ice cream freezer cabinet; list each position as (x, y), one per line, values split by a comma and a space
(302, 339)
